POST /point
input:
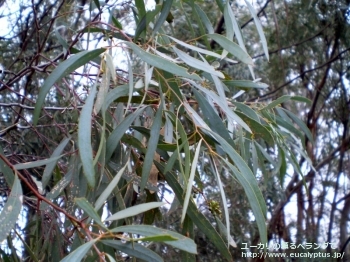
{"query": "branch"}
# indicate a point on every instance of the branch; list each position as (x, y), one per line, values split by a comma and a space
(266, 96)
(39, 196)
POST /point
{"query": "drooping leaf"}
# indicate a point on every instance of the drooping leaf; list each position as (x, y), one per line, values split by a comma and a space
(244, 84)
(61, 71)
(189, 184)
(134, 249)
(179, 241)
(145, 20)
(232, 48)
(225, 232)
(259, 131)
(161, 63)
(89, 210)
(151, 147)
(197, 217)
(84, 138)
(37, 163)
(109, 189)
(119, 131)
(50, 166)
(204, 19)
(11, 209)
(248, 182)
(78, 254)
(259, 28)
(189, 60)
(195, 48)
(134, 210)
(4, 168)
(164, 13)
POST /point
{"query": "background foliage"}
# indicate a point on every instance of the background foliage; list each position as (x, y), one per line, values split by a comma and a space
(181, 132)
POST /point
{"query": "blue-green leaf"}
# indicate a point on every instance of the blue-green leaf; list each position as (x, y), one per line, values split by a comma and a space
(232, 48)
(259, 28)
(163, 15)
(134, 249)
(190, 181)
(78, 254)
(119, 131)
(50, 166)
(84, 138)
(181, 242)
(109, 189)
(161, 62)
(11, 210)
(89, 210)
(134, 210)
(61, 71)
(151, 148)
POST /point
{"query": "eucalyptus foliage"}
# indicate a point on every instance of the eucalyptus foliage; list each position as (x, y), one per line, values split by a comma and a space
(170, 116)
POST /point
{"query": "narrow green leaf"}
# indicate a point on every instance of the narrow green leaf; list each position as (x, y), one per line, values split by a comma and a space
(229, 20)
(195, 48)
(134, 249)
(225, 232)
(50, 166)
(151, 147)
(144, 22)
(301, 124)
(119, 131)
(166, 6)
(111, 67)
(224, 202)
(248, 182)
(181, 242)
(114, 94)
(213, 119)
(259, 131)
(8, 173)
(232, 48)
(255, 199)
(197, 217)
(204, 19)
(61, 71)
(109, 189)
(188, 230)
(189, 60)
(242, 166)
(60, 38)
(244, 84)
(301, 99)
(89, 210)
(37, 163)
(58, 188)
(247, 111)
(224, 106)
(161, 63)
(190, 181)
(111, 259)
(160, 238)
(278, 101)
(103, 88)
(78, 254)
(259, 28)
(84, 138)
(197, 119)
(115, 21)
(11, 210)
(140, 5)
(134, 210)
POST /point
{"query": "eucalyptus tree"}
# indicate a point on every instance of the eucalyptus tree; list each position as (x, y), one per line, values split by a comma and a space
(112, 126)
(309, 53)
